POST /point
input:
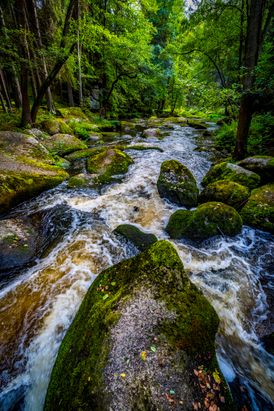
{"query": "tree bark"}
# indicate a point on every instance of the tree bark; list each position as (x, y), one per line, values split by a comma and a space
(48, 81)
(70, 95)
(5, 90)
(252, 46)
(36, 28)
(58, 65)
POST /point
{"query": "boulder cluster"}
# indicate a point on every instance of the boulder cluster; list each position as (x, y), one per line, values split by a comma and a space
(233, 194)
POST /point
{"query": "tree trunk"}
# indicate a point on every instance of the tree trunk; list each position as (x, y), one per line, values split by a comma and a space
(48, 81)
(5, 90)
(58, 65)
(252, 45)
(245, 117)
(70, 95)
(18, 96)
(26, 115)
(35, 23)
(3, 103)
(79, 57)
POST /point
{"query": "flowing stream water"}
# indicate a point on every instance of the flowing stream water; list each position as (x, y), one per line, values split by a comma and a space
(38, 305)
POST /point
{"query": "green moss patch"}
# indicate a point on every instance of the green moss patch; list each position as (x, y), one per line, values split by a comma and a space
(208, 220)
(259, 210)
(231, 172)
(108, 163)
(226, 191)
(177, 184)
(63, 144)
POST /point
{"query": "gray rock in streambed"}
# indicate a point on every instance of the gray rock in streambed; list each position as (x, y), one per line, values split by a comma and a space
(133, 234)
(143, 339)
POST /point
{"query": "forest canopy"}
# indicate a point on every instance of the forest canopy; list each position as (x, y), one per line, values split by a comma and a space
(135, 58)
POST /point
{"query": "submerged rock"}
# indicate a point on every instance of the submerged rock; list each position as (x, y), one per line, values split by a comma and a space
(231, 172)
(208, 220)
(18, 242)
(262, 165)
(177, 184)
(139, 238)
(23, 239)
(108, 163)
(63, 144)
(26, 169)
(259, 210)
(227, 192)
(140, 332)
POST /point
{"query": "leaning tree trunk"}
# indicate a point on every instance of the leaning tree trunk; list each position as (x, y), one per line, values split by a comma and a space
(252, 45)
(58, 65)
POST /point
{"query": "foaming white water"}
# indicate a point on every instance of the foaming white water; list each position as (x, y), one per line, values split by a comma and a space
(228, 271)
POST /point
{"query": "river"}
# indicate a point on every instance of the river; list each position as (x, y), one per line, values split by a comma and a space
(38, 305)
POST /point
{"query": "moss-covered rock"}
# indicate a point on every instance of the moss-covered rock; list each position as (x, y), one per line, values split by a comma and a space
(26, 169)
(63, 144)
(231, 172)
(227, 192)
(139, 238)
(141, 330)
(73, 112)
(108, 163)
(80, 180)
(197, 124)
(55, 126)
(177, 184)
(262, 165)
(259, 210)
(208, 220)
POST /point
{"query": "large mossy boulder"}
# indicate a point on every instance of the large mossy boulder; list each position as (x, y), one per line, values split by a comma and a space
(141, 331)
(262, 165)
(26, 169)
(133, 234)
(63, 144)
(108, 163)
(231, 172)
(208, 220)
(227, 192)
(177, 184)
(259, 210)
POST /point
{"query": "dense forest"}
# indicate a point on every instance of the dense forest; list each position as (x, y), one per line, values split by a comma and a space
(129, 59)
(136, 205)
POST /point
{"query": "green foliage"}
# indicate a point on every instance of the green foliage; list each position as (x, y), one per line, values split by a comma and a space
(260, 136)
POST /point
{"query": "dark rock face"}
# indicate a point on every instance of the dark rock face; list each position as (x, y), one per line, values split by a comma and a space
(140, 332)
(259, 210)
(140, 239)
(262, 165)
(206, 221)
(177, 184)
(23, 239)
